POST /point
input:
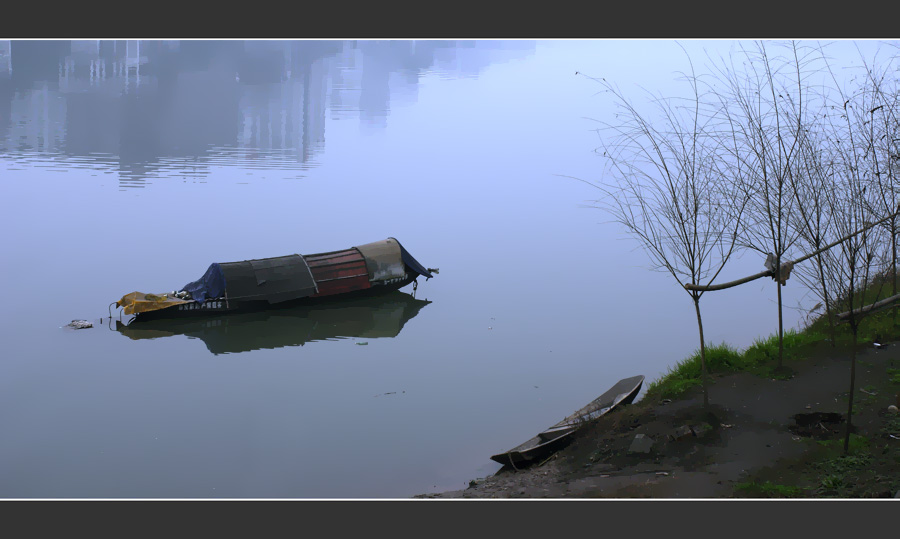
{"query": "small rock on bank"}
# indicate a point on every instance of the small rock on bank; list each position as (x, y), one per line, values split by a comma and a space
(641, 444)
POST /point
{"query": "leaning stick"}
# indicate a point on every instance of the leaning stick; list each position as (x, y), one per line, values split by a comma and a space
(767, 273)
(877, 306)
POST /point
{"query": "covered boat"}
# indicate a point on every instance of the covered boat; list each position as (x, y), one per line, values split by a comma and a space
(253, 285)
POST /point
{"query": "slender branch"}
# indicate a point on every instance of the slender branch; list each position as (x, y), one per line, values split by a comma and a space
(872, 307)
(772, 273)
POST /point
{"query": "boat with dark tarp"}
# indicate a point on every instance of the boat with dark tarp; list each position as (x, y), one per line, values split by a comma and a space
(374, 317)
(284, 281)
(556, 437)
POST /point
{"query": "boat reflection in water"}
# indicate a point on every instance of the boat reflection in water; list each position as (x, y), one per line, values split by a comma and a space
(370, 317)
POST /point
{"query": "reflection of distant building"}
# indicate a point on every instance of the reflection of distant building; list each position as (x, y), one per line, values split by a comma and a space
(378, 61)
(198, 110)
(36, 61)
(372, 74)
(141, 118)
(37, 120)
(286, 88)
(316, 84)
(470, 58)
(264, 62)
(92, 66)
(345, 83)
(148, 104)
(287, 116)
(93, 123)
(6, 90)
(5, 62)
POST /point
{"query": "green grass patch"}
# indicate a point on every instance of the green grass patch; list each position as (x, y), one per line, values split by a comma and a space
(879, 326)
(895, 375)
(858, 445)
(669, 388)
(686, 374)
(846, 463)
(831, 484)
(834, 470)
(892, 426)
(760, 359)
(765, 351)
(768, 489)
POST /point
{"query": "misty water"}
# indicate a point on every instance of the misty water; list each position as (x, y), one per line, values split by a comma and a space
(131, 166)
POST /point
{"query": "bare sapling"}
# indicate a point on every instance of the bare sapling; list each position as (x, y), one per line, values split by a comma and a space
(665, 183)
(765, 103)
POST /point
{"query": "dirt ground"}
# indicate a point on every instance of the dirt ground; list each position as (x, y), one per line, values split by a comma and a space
(750, 435)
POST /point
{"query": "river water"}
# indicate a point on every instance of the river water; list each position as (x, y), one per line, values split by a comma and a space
(132, 165)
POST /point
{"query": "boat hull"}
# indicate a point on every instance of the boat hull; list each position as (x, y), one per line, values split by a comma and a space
(375, 317)
(220, 306)
(559, 435)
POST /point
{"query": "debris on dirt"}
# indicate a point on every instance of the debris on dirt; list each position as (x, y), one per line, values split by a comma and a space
(681, 433)
(805, 420)
(80, 324)
(821, 425)
(701, 429)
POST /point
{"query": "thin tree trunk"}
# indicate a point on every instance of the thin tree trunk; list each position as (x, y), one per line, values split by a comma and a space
(780, 331)
(894, 264)
(828, 311)
(854, 329)
(703, 372)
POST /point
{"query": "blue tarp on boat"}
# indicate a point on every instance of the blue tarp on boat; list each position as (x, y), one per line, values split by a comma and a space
(211, 285)
(412, 263)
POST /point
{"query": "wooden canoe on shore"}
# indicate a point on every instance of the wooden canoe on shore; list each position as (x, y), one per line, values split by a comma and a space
(556, 437)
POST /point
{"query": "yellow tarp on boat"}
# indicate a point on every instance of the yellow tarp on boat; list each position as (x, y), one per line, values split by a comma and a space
(138, 302)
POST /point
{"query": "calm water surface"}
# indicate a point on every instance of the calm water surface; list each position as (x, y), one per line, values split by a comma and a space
(133, 165)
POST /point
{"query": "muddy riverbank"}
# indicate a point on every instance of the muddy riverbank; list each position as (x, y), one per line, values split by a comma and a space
(760, 437)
